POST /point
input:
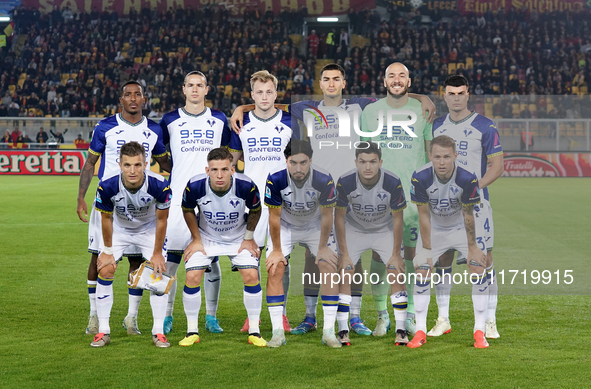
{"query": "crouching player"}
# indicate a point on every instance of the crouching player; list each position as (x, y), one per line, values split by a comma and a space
(222, 229)
(445, 195)
(369, 217)
(300, 199)
(139, 199)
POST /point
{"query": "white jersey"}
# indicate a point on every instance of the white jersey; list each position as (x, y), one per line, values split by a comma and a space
(262, 141)
(477, 139)
(191, 138)
(370, 209)
(445, 199)
(113, 132)
(133, 212)
(222, 217)
(335, 154)
(300, 207)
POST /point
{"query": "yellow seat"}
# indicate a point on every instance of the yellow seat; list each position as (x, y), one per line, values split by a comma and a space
(22, 76)
(469, 63)
(12, 88)
(451, 67)
(137, 60)
(228, 91)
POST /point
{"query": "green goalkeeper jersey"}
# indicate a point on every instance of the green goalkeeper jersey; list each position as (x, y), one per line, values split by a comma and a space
(402, 153)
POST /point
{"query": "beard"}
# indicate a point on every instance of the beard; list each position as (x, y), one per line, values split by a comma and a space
(402, 93)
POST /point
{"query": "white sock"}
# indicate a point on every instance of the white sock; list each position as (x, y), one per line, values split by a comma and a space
(343, 312)
(135, 297)
(158, 304)
(311, 305)
(211, 286)
(275, 304)
(493, 293)
(399, 303)
(171, 269)
(104, 303)
(443, 291)
(92, 296)
(253, 302)
(356, 306)
(479, 299)
(192, 304)
(285, 287)
(329, 308)
(422, 297)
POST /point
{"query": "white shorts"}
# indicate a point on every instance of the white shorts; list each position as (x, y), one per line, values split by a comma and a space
(381, 242)
(95, 235)
(142, 240)
(260, 232)
(239, 260)
(307, 236)
(178, 235)
(443, 240)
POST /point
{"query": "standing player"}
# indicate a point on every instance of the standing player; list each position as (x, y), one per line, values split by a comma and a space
(267, 130)
(403, 154)
(479, 152)
(300, 198)
(337, 161)
(222, 229)
(369, 216)
(107, 138)
(138, 201)
(191, 132)
(446, 195)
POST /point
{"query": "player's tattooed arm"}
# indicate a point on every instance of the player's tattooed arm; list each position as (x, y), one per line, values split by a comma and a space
(474, 253)
(253, 219)
(427, 106)
(85, 178)
(165, 162)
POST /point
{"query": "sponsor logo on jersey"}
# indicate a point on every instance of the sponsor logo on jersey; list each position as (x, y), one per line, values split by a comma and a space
(119, 132)
(435, 190)
(182, 124)
(250, 129)
(207, 202)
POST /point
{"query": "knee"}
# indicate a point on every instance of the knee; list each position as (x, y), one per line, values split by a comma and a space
(250, 277)
(107, 272)
(193, 278)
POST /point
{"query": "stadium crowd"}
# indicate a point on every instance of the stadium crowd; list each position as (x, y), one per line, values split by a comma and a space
(70, 65)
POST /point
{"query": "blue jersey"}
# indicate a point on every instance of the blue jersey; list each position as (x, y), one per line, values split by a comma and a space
(113, 132)
(222, 216)
(477, 139)
(262, 141)
(133, 212)
(191, 138)
(300, 206)
(370, 209)
(324, 134)
(445, 199)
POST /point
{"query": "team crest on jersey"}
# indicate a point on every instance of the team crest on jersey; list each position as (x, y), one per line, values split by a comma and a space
(382, 196)
(145, 200)
(234, 203)
(147, 134)
(454, 189)
(467, 132)
(311, 194)
(211, 122)
(279, 129)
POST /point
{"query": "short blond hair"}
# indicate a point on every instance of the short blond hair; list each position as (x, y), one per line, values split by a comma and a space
(262, 76)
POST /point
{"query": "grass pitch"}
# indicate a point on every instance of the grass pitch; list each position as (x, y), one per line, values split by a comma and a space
(541, 224)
